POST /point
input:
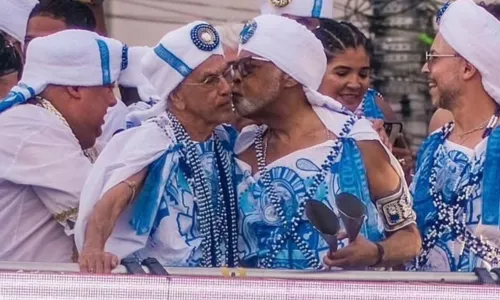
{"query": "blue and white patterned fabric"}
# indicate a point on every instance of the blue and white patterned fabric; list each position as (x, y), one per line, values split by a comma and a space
(291, 177)
(456, 168)
(167, 211)
(163, 222)
(369, 108)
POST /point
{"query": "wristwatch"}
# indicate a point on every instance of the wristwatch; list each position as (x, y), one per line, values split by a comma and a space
(91, 2)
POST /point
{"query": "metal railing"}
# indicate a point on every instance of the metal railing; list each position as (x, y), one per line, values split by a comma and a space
(62, 281)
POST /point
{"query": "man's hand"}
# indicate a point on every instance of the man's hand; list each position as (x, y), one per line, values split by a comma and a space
(360, 253)
(97, 261)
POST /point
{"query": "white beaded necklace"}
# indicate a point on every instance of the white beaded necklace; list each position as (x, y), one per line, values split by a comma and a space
(291, 228)
(450, 218)
(214, 221)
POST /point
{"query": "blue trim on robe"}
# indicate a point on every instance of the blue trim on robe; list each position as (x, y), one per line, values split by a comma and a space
(370, 108)
(146, 207)
(353, 180)
(491, 182)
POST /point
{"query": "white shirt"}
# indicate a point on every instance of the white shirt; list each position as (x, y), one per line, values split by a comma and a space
(42, 172)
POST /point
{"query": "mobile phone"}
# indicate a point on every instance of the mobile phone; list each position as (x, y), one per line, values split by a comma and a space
(393, 130)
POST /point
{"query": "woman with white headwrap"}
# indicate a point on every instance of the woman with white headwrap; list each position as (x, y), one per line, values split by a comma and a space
(456, 187)
(178, 163)
(46, 121)
(310, 148)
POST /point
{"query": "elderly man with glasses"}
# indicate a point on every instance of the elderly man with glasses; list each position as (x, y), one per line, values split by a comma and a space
(165, 189)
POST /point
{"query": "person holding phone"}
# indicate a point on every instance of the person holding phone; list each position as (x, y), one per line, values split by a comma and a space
(347, 80)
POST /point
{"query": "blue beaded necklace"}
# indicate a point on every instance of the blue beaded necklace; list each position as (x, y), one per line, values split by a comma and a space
(215, 224)
(291, 227)
(450, 218)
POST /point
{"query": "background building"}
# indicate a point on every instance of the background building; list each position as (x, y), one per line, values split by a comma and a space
(397, 28)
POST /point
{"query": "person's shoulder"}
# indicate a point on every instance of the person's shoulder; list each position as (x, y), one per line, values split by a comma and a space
(439, 119)
(30, 122)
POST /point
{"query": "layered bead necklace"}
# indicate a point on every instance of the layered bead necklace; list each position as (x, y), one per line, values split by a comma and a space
(452, 217)
(217, 221)
(291, 227)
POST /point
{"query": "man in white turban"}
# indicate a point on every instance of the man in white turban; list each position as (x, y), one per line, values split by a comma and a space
(310, 148)
(306, 12)
(47, 120)
(456, 187)
(178, 164)
(14, 17)
(53, 16)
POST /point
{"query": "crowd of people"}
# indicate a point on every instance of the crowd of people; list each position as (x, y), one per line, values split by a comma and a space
(222, 135)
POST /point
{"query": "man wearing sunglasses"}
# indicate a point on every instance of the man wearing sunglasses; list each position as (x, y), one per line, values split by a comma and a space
(310, 148)
(167, 185)
(456, 188)
(443, 116)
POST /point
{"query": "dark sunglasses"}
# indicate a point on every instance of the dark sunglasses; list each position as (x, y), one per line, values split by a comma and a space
(10, 59)
(244, 66)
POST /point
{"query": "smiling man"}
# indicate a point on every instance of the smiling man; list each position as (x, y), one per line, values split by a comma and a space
(456, 188)
(46, 121)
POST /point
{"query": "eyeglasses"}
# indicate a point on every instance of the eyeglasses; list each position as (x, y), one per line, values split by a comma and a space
(215, 79)
(245, 67)
(10, 60)
(431, 58)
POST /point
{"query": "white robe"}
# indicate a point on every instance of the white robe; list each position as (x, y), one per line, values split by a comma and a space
(126, 154)
(42, 171)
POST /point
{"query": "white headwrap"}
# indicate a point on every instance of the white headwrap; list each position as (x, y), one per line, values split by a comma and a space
(68, 58)
(475, 34)
(295, 50)
(300, 8)
(134, 78)
(175, 57)
(14, 17)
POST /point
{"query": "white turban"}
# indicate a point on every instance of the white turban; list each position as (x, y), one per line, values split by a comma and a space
(68, 58)
(14, 17)
(475, 34)
(175, 57)
(300, 8)
(292, 48)
(133, 77)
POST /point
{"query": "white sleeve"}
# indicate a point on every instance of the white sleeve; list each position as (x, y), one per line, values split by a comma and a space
(48, 158)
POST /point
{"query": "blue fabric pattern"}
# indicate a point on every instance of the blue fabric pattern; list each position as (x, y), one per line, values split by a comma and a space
(166, 210)
(455, 171)
(370, 107)
(491, 186)
(291, 177)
